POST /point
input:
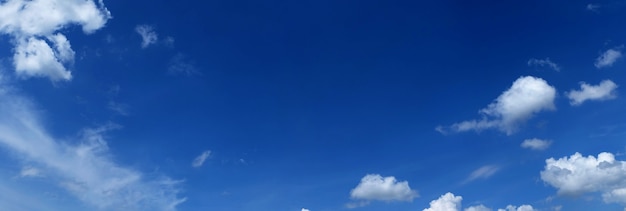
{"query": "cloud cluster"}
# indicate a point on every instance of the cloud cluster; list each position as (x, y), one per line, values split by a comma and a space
(603, 91)
(82, 166)
(527, 96)
(536, 144)
(33, 24)
(575, 175)
(608, 58)
(450, 202)
(374, 187)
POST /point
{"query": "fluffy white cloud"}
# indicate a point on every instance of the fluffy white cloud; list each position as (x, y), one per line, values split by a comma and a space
(478, 208)
(375, 187)
(483, 172)
(536, 144)
(608, 58)
(305, 209)
(447, 202)
(148, 35)
(544, 63)
(39, 51)
(520, 208)
(527, 96)
(82, 165)
(450, 202)
(200, 159)
(576, 175)
(603, 91)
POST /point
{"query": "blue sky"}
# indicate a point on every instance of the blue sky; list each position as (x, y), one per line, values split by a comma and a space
(312, 105)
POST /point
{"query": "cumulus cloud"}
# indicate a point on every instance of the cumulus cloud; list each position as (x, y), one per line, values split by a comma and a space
(478, 208)
(447, 202)
(536, 144)
(200, 159)
(33, 24)
(148, 35)
(520, 208)
(374, 187)
(576, 175)
(603, 91)
(544, 63)
(483, 172)
(303, 209)
(527, 96)
(608, 58)
(450, 202)
(82, 166)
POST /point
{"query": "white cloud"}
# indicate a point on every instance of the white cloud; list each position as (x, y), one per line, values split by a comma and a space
(33, 24)
(527, 96)
(447, 202)
(374, 187)
(303, 209)
(577, 175)
(29, 171)
(82, 165)
(536, 144)
(603, 91)
(520, 208)
(483, 172)
(478, 208)
(450, 202)
(544, 63)
(119, 108)
(608, 58)
(148, 35)
(201, 158)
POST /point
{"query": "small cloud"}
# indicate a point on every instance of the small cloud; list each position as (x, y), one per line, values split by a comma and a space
(483, 173)
(544, 63)
(303, 209)
(536, 144)
(148, 35)
(30, 171)
(603, 91)
(169, 41)
(478, 208)
(527, 96)
(198, 161)
(358, 204)
(609, 57)
(374, 187)
(180, 65)
(593, 7)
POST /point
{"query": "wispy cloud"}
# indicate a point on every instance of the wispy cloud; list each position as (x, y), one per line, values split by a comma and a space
(148, 35)
(603, 91)
(180, 65)
(199, 161)
(609, 57)
(483, 172)
(544, 63)
(29, 171)
(40, 51)
(536, 144)
(593, 7)
(526, 96)
(82, 166)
